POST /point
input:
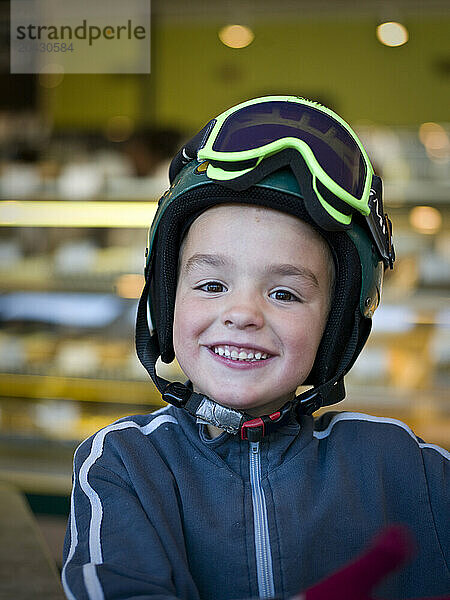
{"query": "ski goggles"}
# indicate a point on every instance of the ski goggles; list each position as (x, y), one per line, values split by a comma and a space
(240, 138)
(249, 141)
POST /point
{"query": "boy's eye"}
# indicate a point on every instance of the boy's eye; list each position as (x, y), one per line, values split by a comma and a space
(213, 287)
(284, 296)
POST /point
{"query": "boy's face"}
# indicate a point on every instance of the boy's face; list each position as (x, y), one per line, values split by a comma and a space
(254, 283)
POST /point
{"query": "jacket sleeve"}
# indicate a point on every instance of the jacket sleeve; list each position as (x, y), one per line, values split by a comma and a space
(114, 548)
(437, 470)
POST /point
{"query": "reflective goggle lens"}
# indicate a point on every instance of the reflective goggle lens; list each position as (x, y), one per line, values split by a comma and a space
(333, 146)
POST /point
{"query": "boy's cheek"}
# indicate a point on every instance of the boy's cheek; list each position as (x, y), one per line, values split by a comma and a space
(187, 327)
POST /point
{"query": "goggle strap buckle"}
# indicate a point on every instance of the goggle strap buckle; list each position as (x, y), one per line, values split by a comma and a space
(254, 430)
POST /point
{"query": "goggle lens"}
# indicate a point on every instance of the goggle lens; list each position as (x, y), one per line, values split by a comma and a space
(334, 148)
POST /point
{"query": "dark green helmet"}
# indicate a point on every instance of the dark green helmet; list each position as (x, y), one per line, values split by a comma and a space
(361, 251)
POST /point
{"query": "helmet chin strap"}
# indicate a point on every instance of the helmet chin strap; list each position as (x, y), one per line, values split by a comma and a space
(231, 420)
(241, 423)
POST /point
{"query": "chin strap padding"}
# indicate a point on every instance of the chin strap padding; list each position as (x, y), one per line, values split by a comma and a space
(202, 407)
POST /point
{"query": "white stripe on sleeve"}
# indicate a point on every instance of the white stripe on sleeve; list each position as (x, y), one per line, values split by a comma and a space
(92, 582)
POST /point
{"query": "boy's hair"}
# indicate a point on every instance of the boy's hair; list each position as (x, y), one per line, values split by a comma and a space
(361, 250)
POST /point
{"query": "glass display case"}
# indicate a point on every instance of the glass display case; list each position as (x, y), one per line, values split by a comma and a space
(71, 274)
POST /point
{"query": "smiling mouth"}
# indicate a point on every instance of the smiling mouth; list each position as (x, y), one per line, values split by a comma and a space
(240, 354)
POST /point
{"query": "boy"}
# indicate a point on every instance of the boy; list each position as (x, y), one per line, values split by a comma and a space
(264, 268)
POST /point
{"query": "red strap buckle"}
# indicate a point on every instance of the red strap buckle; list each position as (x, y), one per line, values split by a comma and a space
(253, 424)
(275, 416)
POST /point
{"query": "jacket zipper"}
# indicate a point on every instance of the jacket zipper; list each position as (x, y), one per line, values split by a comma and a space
(262, 541)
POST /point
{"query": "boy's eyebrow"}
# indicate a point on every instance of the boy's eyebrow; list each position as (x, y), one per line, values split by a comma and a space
(289, 270)
(219, 260)
(213, 260)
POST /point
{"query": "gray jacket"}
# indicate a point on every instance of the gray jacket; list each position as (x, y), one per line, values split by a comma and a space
(161, 511)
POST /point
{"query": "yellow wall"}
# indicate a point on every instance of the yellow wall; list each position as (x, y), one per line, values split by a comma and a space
(341, 62)
(88, 101)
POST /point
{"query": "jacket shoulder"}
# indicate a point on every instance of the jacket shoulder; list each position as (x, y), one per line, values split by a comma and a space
(378, 431)
(125, 431)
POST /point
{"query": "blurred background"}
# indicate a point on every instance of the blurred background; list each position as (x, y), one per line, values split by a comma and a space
(83, 159)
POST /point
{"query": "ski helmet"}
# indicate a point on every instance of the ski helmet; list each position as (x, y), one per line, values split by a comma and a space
(295, 156)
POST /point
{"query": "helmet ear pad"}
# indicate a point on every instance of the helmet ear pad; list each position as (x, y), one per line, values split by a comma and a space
(345, 318)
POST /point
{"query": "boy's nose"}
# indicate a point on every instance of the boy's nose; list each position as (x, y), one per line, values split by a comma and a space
(243, 315)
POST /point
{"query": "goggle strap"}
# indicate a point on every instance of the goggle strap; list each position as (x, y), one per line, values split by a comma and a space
(339, 210)
(379, 223)
(318, 213)
(391, 251)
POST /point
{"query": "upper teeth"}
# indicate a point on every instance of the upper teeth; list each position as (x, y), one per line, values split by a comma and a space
(239, 354)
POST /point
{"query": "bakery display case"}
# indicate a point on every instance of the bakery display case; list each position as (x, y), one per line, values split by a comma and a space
(71, 273)
(83, 161)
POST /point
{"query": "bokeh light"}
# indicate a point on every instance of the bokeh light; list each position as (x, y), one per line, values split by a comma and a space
(392, 34)
(425, 219)
(436, 141)
(129, 285)
(51, 76)
(236, 36)
(119, 128)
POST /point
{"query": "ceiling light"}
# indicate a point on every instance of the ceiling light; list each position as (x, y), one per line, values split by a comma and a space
(392, 34)
(236, 36)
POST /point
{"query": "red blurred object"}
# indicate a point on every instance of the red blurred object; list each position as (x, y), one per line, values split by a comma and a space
(388, 551)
